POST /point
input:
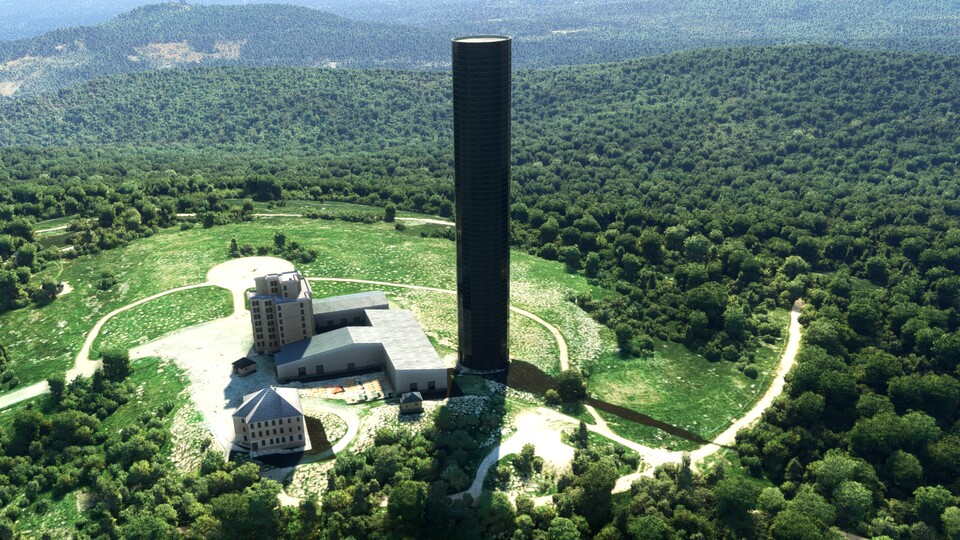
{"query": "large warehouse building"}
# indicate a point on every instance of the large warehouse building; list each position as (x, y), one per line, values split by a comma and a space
(390, 339)
(340, 334)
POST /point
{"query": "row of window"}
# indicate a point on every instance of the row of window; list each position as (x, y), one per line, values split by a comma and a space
(278, 440)
(260, 433)
(268, 423)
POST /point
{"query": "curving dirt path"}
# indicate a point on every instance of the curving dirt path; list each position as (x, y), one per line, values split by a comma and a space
(23, 394)
(83, 364)
(652, 457)
(52, 229)
(237, 274)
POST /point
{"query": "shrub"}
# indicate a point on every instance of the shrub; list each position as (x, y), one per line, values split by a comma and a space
(107, 280)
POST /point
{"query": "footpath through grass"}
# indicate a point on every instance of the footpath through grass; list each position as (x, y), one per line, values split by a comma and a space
(680, 387)
(675, 386)
(162, 316)
(44, 341)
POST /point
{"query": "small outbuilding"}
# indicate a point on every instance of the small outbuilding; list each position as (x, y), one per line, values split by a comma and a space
(244, 366)
(411, 403)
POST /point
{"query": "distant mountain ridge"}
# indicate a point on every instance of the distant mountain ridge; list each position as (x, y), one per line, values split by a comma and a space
(175, 35)
(414, 34)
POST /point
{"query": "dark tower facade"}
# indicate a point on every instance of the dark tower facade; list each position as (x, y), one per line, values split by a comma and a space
(481, 138)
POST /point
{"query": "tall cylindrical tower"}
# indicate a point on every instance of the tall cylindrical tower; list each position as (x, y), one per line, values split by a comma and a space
(481, 137)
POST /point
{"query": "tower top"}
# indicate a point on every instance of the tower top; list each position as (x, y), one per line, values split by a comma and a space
(481, 39)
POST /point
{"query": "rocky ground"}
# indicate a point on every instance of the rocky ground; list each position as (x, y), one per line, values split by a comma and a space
(190, 438)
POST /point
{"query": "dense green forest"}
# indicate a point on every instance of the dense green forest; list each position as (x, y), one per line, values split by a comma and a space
(704, 187)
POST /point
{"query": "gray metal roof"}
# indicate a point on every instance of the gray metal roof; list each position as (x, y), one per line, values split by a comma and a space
(321, 343)
(271, 403)
(406, 345)
(364, 300)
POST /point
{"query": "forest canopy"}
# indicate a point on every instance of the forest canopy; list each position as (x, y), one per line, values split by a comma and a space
(704, 188)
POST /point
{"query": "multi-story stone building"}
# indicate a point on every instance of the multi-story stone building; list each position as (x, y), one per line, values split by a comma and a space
(270, 421)
(281, 311)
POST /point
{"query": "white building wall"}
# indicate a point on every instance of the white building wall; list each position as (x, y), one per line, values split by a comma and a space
(404, 378)
(360, 355)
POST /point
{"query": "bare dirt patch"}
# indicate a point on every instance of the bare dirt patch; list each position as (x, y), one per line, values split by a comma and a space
(179, 52)
(9, 88)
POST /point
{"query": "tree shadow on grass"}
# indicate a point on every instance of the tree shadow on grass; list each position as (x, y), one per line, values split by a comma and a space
(527, 377)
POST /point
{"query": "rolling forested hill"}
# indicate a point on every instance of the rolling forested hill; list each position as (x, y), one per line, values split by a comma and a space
(705, 188)
(378, 33)
(174, 35)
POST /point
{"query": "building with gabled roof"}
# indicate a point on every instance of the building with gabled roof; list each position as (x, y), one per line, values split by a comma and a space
(269, 421)
(411, 403)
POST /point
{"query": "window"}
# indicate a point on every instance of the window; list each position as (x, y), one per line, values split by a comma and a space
(273, 422)
(274, 431)
(413, 387)
(301, 371)
(244, 438)
(319, 370)
(431, 385)
(301, 437)
(283, 439)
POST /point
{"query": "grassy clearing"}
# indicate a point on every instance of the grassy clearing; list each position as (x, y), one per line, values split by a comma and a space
(329, 207)
(44, 341)
(54, 223)
(157, 382)
(647, 435)
(57, 521)
(163, 315)
(682, 388)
